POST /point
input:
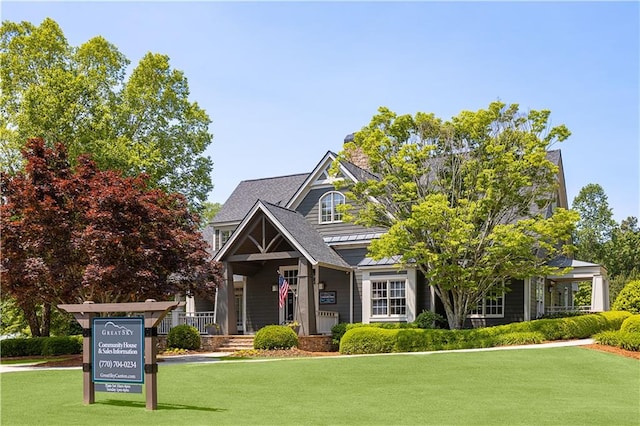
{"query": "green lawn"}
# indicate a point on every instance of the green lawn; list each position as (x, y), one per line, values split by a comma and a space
(561, 386)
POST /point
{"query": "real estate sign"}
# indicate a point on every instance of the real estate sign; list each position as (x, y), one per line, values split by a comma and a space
(118, 350)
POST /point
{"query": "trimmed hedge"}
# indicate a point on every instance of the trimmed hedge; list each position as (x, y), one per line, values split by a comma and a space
(519, 338)
(368, 340)
(375, 338)
(621, 339)
(37, 346)
(631, 324)
(62, 345)
(275, 337)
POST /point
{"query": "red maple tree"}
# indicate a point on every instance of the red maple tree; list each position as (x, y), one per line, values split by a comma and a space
(71, 235)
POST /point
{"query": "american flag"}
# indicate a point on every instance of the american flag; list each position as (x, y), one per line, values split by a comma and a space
(283, 285)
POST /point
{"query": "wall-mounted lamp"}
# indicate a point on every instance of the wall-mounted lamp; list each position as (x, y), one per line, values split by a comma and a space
(274, 287)
(321, 285)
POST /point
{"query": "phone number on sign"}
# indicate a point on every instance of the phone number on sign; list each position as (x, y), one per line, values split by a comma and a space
(117, 364)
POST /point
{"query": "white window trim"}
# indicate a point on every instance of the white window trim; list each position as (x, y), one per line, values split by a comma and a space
(484, 307)
(333, 207)
(293, 288)
(391, 275)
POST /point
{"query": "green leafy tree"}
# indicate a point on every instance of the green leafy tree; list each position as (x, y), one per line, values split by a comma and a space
(72, 234)
(622, 251)
(466, 201)
(209, 211)
(79, 96)
(629, 298)
(596, 224)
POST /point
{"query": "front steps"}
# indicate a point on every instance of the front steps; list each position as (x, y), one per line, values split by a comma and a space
(236, 343)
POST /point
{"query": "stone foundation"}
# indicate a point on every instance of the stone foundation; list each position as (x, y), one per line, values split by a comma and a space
(305, 343)
(316, 344)
(208, 343)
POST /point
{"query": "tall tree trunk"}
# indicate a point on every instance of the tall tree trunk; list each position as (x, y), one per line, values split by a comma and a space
(46, 320)
(31, 314)
(454, 311)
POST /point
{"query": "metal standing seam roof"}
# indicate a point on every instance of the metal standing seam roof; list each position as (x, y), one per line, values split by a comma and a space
(385, 261)
(351, 238)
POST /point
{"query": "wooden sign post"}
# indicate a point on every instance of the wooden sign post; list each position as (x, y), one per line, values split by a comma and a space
(153, 313)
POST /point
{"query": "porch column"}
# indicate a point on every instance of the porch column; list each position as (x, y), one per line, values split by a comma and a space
(599, 294)
(175, 314)
(226, 302)
(306, 303)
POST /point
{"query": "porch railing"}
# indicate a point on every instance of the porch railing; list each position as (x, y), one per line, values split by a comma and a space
(199, 320)
(325, 320)
(556, 309)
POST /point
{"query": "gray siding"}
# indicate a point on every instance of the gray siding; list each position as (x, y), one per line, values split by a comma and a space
(337, 281)
(353, 257)
(423, 294)
(262, 301)
(513, 308)
(310, 207)
(203, 305)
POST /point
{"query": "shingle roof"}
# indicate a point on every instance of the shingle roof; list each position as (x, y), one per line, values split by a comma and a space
(275, 190)
(306, 236)
(360, 174)
(565, 262)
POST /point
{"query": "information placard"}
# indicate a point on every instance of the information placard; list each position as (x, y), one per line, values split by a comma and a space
(118, 350)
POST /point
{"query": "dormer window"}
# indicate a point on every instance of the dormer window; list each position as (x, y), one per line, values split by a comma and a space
(328, 207)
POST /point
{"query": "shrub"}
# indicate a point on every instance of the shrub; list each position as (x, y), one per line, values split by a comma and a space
(615, 318)
(629, 298)
(620, 339)
(631, 324)
(36, 346)
(583, 326)
(183, 337)
(337, 331)
(13, 347)
(414, 340)
(518, 338)
(368, 340)
(428, 319)
(62, 345)
(562, 314)
(275, 337)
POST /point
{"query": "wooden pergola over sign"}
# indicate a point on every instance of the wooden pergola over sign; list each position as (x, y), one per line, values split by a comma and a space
(153, 313)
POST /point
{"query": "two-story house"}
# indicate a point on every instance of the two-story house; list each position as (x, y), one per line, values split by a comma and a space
(290, 225)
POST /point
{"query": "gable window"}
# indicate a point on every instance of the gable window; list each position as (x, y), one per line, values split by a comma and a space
(221, 237)
(328, 207)
(490, 306)
(388, 298)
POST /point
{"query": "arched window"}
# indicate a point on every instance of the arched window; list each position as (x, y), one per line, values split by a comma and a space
(328, 207)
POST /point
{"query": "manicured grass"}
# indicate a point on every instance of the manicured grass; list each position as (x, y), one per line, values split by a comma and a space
(39, 360)
(561, 386)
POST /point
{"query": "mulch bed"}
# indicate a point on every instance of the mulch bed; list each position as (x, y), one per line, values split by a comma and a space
(614, 350)
(76, 360)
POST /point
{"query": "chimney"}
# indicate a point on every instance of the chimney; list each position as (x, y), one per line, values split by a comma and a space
(356, 155)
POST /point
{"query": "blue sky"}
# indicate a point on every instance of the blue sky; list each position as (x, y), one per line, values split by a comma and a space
(284, 82)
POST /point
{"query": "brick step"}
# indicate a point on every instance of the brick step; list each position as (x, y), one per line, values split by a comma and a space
(237, 343)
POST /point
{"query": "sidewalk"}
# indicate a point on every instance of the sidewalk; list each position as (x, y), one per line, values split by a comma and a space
(215, 356)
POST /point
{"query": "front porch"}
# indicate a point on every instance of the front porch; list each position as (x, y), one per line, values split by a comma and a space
(206, 323)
